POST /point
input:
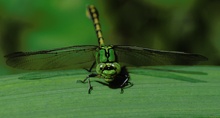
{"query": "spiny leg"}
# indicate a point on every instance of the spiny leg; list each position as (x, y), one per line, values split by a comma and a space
(124, 83)
(90, 69)
(88, 77)
(129, 84)
(89, 82)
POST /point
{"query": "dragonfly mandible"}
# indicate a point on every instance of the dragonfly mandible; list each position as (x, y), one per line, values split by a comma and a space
(108, 60)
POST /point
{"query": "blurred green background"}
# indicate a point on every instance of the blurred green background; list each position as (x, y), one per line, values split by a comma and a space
(185, 25)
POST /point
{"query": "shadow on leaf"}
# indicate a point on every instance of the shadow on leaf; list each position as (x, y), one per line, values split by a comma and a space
(173, 73)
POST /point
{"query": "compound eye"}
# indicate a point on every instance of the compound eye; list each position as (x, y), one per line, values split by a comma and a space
(100, 67)
(117, 67)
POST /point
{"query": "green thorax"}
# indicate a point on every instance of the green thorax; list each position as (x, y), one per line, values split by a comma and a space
(106, 54)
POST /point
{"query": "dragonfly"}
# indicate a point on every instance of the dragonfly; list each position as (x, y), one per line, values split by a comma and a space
(108, 61)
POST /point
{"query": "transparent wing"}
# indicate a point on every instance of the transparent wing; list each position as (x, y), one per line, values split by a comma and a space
(62, 58)
(138, 56)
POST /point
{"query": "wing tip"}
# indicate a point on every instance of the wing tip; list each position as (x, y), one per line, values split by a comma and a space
(201, 57)
(205, 58)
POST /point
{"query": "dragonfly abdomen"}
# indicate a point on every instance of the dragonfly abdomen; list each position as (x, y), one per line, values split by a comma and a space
(94, 15)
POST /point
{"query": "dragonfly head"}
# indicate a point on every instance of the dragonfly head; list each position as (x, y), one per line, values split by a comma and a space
(108, 70)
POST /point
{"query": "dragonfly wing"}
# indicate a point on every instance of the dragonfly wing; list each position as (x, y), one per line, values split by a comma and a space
(62, 58)
(138, 56)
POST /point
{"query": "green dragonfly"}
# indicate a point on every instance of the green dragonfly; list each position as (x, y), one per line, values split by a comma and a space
(109, 61)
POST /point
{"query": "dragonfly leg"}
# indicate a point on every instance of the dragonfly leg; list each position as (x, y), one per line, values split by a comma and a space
(124, 84)
(89, 82)
(90, 86)
(90, 69)
(90, 75)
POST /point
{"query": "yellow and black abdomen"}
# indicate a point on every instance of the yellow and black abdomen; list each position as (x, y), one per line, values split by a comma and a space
(93, 14)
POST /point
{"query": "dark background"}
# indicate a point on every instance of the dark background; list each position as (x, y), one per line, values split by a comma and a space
(191, 26)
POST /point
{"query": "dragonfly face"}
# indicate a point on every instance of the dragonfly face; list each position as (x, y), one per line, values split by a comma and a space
(107, 66)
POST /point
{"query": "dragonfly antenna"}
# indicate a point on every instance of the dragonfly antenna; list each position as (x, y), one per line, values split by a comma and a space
(93, 14)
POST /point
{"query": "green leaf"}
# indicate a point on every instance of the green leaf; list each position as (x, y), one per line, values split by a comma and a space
(166, 91)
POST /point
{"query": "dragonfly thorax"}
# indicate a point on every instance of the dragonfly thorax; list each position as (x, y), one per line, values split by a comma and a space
(108, 70)
(106, 54)
(107, 66)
